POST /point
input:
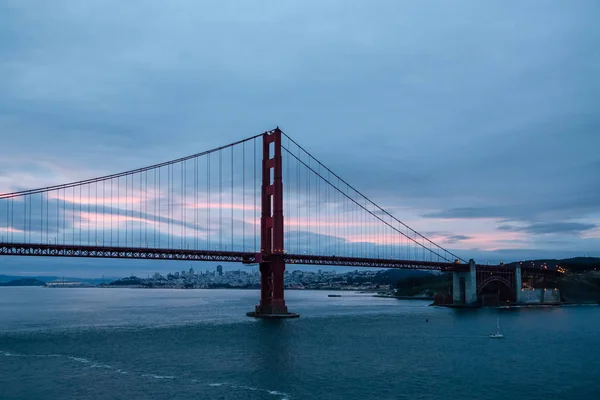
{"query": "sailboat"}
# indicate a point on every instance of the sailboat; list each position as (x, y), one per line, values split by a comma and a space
(498, 334)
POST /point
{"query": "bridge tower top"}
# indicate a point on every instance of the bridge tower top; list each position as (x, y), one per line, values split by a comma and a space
(271, 223)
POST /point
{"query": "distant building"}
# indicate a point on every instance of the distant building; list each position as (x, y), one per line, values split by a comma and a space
(220, 270)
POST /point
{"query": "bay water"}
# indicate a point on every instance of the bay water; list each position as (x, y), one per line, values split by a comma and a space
(92, 344)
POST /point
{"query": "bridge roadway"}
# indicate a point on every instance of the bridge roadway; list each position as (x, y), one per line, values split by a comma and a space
(60, 250)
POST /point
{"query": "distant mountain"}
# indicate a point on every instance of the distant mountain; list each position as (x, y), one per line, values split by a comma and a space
(8, 278)
(24, 282)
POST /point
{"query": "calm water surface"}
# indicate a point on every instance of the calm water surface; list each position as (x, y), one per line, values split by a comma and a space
(198, 344)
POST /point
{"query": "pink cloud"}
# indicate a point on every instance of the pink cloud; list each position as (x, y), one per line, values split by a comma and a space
(107, 200)
(85, 220)
(224, 206)
(493, 241)
(324, 222)
(10, 230)
(591, 234)
(90, 219)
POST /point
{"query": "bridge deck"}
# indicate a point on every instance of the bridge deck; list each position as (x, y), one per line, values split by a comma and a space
(59, 250)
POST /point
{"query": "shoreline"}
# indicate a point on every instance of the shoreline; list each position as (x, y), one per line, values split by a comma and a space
(365, 291)
(541, 305)
(404, 297)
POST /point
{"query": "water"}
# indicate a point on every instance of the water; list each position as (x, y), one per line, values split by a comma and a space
(198, 344)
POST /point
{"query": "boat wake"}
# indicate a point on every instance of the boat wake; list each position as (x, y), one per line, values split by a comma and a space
(89, 363)
(281, 395)
(158, 376)
(93, 364)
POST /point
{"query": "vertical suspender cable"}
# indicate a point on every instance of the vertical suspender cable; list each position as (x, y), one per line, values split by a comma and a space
(145, 219)
(80, 217)
(73, 216)
(41, 217)
(244, 196)
(103, 210)
(255, 194)
(95, 213)
(183, 201)
(208, 205)
(231, 198)
(111, 212)
(220, 200)
(126, 210)
(159, 210)
(196, 203)
(309, 211)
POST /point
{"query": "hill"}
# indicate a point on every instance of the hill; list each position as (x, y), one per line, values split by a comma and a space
(24, 282)
(8, 278)
(129, 281)
(576, 264)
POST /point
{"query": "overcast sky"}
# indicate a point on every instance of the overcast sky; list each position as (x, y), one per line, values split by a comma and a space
(475, 122)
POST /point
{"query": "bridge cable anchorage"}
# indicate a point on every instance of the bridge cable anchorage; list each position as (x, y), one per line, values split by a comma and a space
(377, 207)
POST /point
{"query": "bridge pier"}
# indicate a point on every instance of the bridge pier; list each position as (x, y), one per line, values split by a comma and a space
(518, 284)
(464, 286)
(272, 301)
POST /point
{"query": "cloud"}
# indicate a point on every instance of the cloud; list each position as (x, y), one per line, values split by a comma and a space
(457, 238)
(446, 237)
(471, 212)
(550, 228)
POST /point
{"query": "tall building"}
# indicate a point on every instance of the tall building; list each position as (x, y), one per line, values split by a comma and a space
(220, 270)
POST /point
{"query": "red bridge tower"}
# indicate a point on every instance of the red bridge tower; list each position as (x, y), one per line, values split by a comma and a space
(271, 256)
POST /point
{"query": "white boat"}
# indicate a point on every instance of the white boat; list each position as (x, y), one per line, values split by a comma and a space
(498, 334)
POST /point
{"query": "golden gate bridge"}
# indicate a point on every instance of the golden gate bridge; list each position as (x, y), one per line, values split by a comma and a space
(227, 205)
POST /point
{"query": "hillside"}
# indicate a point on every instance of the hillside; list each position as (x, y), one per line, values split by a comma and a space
(580, 287)
(8, 278)
(576, 264)
(24, 282)
(425, 284)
